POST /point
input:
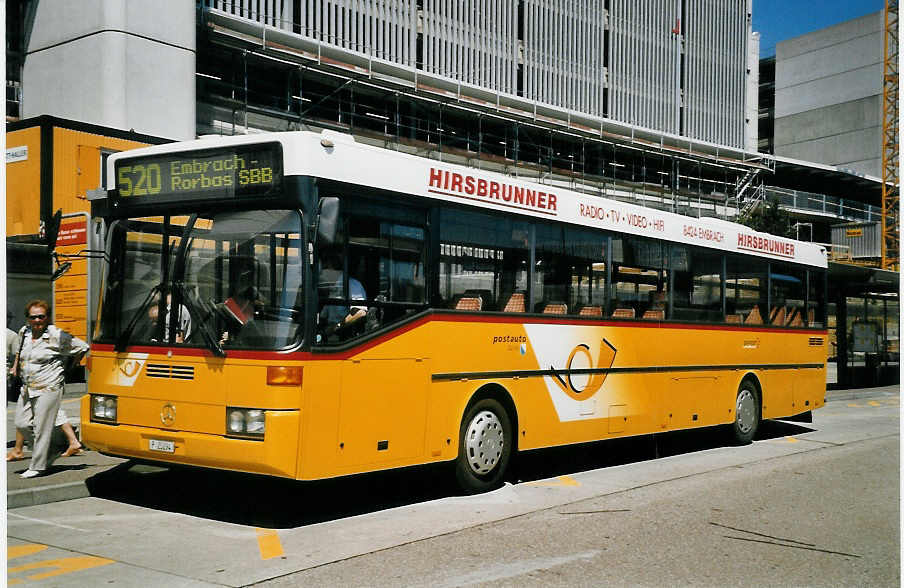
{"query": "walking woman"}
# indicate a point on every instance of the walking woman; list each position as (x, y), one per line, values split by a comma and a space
(46, 351)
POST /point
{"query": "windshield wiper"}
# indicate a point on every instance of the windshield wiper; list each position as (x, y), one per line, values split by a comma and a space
(123, 340)
(203, 323)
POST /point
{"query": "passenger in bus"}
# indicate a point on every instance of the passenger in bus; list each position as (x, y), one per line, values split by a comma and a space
(340, 320)
(183, 329)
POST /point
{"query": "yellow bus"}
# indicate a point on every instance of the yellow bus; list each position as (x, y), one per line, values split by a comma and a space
(306, 306)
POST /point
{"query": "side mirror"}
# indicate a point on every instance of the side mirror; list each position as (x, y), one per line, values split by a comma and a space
(327, 220)
(60, 270)
(52, 229)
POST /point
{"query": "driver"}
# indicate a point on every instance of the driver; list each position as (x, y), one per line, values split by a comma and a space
(339, 317)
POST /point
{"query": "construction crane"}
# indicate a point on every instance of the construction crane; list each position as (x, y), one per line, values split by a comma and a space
(891, 185)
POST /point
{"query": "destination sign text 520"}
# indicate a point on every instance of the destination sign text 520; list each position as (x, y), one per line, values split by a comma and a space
(222, 173)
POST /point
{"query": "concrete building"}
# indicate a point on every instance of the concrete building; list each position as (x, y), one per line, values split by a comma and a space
(828, 96)
(126, 65)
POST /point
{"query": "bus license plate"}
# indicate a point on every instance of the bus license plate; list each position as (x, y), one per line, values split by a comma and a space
(165, 446)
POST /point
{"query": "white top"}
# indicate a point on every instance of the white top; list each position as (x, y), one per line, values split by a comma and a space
(42, 362)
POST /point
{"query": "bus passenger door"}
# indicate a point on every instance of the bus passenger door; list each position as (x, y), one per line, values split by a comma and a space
(382, 411)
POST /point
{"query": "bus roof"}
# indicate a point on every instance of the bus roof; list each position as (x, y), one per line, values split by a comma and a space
(337, 156)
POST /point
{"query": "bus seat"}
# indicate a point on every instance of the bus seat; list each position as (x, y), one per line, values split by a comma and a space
(794, 318)
(468, 303)
(623, 313)
(555, 308)
(777, 316)
(486, 298)
(591, 311)
(811, 316)
(515, 303)
(754, 317)
(733, 318)
(656, 315)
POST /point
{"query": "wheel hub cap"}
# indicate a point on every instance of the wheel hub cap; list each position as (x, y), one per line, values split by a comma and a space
(746, 411)
(484, 440)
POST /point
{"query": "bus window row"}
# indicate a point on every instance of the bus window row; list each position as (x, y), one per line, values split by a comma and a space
(390, 262)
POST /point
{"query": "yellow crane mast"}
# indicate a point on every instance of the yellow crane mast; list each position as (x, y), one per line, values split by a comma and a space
(891, 185)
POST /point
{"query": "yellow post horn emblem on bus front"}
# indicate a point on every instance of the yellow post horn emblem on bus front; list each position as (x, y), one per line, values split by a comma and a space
(126, 370)
(580, 379)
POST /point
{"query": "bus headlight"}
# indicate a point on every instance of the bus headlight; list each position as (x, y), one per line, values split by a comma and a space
(103, 408)
(246, 422)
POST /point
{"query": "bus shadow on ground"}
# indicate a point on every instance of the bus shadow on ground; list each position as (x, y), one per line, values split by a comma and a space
(274, 503)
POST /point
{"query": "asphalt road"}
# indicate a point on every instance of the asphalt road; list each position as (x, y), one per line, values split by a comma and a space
(805, 505)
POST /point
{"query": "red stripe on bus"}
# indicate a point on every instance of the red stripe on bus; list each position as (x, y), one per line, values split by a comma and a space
(453, 318)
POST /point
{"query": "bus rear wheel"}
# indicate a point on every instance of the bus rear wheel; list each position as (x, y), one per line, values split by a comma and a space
(747, 413)
(484, 447)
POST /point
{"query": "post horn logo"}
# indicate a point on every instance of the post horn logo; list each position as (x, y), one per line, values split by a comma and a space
(581, 379)
(168, 415)
(129, 367)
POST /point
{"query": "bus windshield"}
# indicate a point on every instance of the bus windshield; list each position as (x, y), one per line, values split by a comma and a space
(230, 280)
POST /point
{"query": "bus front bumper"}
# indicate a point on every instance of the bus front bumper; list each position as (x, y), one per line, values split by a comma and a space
(276, 455)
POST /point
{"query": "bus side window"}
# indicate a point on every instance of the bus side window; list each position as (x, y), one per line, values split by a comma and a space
(570, 273)
(639, 272)
(482, 256)
(816, 298)
(788, 295)
(382, 251)
(745, 288)
(697, 284)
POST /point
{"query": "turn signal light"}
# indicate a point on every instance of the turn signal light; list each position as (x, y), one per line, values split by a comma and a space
(283, 376)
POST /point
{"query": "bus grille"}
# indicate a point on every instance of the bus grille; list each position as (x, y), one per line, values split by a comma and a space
(817, 341)
(177, 372)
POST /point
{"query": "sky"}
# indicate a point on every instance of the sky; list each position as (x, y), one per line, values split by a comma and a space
(779, 20)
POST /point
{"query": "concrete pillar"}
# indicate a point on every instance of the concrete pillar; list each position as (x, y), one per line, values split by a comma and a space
(116, 63)
(841, 339)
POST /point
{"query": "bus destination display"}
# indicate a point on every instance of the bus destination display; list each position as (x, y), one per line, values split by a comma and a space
(231, 173)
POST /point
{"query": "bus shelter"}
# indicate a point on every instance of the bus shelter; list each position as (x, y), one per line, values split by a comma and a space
(864, 323)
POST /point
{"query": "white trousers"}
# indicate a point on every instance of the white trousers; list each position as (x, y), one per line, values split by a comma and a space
(44, 413)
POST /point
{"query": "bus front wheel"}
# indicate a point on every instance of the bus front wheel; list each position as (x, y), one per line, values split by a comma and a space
(747, 413)
(484, 447)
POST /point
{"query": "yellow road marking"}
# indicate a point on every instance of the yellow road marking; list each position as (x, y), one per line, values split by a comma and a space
(64, 565)
(269, 544)
(853, 405)
(792, 440)
(873, 403)
(559, 482)
(23, 550)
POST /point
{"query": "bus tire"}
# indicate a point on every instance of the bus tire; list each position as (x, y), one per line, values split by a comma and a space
(747, 413)
(484, 447)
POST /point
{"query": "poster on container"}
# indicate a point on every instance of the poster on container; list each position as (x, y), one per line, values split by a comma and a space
(70, 291)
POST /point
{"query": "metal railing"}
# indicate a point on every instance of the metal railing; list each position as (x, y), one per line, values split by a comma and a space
(843, 208)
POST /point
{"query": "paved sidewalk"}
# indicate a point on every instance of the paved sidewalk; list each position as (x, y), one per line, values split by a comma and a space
(65, 479)
(68, 476)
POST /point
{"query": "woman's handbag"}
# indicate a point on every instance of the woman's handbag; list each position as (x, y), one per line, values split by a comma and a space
(14, 382)
(13, 388)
